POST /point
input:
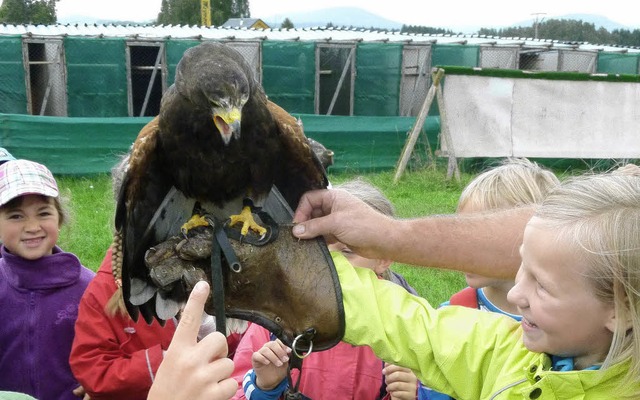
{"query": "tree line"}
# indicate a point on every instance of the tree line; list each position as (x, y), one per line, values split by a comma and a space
(28, 11)
(187, 12)
(172, 12)
(566, 30)
(571, 31)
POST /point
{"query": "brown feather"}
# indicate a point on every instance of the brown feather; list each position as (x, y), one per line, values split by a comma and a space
(299, 152)
(142, 154)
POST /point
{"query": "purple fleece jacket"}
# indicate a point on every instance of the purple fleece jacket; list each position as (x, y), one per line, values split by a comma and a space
(39, 300)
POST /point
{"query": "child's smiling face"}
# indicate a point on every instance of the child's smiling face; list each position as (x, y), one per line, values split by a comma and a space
(560, 314)
(31, 228)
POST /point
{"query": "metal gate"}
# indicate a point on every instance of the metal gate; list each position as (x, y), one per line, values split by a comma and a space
(45, 76)
(416, 78)
(146, 77)
(335, 78)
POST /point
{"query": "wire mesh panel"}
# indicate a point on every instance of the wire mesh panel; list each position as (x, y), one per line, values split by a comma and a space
(335, 74)
(251, 52)
(561, 60)
(577, 61)
(176, 48)
(146, 77)
(499, 57)
(45, 77)
(416, 78)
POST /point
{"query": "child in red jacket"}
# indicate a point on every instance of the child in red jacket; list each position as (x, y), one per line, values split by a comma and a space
(112, 356)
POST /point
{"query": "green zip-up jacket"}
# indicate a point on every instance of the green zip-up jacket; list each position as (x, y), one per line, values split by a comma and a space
(459, 351)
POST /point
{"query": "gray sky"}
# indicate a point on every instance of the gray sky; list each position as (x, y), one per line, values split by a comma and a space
(485, 13)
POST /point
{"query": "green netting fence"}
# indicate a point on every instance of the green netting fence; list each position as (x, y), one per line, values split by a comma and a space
(290, 84)
(13, 97)
(85, 146)
(97, 77)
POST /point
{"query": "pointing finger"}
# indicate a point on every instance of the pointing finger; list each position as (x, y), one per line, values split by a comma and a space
(187, 330)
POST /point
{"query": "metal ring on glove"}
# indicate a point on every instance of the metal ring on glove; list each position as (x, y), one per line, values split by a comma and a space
(293, 347)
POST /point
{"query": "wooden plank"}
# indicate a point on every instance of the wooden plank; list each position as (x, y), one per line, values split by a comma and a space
(417, 127)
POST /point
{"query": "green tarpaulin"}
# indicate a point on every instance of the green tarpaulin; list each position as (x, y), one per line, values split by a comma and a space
(83, 146)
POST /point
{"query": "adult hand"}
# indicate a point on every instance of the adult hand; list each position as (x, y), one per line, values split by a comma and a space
(481, 243)
(340, 216)
(193, 370)
(402, 383)
(270, 364)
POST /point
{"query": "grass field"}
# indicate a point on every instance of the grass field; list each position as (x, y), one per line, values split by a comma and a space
(418, 193)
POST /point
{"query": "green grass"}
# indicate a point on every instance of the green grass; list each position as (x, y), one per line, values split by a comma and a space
(418, 193)
(91, 207)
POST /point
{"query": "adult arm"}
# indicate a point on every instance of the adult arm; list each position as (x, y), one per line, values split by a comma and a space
(485, 243)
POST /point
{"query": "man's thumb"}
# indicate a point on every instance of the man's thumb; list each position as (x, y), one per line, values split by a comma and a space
(299, 230)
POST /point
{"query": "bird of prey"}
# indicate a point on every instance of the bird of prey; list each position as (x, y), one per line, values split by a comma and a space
(217, 147)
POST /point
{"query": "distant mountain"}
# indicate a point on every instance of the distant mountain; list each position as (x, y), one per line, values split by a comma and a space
(357, 17)
(597, 20)
(338, 16)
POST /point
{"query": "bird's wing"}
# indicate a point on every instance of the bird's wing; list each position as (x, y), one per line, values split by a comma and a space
(303, 170)
(148, 211)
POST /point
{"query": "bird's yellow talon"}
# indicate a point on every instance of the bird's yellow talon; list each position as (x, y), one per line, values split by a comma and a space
(246, 218)
(195, 221)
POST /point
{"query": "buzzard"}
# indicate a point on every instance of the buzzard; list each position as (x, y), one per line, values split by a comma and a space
(217, 147)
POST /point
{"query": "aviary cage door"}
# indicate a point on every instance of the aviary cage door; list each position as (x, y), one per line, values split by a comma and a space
(146, 77)
(45, 77)
(416, 78)
(335, 77)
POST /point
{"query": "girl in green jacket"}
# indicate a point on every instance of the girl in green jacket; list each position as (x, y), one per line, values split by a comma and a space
(578, 290)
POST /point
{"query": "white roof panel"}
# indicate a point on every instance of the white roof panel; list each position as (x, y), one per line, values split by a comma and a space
(304, 34)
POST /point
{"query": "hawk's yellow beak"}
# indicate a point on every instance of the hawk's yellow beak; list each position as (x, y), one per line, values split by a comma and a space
(228, 123)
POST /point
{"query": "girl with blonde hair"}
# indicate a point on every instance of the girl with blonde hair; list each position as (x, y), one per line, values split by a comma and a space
(577, 289)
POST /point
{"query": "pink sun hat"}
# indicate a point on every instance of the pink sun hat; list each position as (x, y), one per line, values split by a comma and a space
(20, 177)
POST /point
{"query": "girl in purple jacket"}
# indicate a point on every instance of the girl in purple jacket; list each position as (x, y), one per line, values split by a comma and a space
(40, 286)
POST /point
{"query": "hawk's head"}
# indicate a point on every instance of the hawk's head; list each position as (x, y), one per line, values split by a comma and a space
(217, 84)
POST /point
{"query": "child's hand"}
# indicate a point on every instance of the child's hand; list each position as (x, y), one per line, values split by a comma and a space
(402, 383)
(80, 392)
(270, 364)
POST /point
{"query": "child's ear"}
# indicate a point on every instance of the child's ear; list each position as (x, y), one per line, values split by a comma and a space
(612, 322)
